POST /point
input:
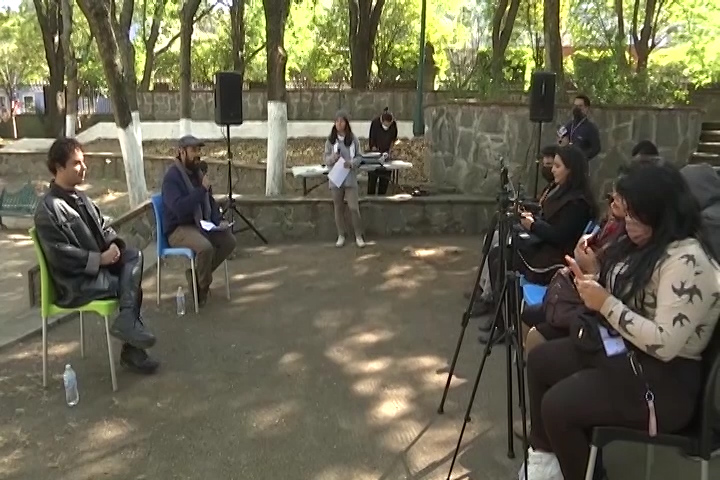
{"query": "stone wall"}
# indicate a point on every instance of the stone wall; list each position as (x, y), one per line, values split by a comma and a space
(109, 167)
(709, 100)
(308, 104)
(466, 141)
(311, 219)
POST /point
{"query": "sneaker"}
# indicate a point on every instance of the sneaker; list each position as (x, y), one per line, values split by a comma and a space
(359, 242)
(340, 241)
(541, 466)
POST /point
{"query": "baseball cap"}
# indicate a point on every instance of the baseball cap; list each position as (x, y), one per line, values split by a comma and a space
(190, 141)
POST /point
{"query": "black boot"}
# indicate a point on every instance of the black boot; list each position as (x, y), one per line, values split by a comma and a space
(128, 326)
(137, 360)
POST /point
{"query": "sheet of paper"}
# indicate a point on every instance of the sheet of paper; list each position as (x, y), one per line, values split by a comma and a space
(338, 173)
(613, 345)
(210, 227)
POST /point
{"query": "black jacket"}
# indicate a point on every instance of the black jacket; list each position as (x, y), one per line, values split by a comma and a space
(72, 250)
(565, 214)
(584, 135)
(380, 138)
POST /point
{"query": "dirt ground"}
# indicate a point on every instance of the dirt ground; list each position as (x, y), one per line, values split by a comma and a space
(315, 370)
(300, 151)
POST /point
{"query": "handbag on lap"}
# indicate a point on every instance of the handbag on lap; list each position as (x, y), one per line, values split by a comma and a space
(562, 303)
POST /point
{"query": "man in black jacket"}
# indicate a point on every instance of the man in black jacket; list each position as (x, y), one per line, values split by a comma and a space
(86, 258)
(383, 135)
(581, 131)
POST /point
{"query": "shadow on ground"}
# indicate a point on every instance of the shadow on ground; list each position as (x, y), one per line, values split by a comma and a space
(324, 366)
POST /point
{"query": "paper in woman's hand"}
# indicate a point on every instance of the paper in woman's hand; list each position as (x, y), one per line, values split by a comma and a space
(338, 173)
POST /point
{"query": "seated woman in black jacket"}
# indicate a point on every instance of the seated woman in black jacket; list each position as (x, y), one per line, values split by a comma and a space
(566, 211)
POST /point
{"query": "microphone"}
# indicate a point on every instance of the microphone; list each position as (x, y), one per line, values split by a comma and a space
(203, 167)
(562, 131)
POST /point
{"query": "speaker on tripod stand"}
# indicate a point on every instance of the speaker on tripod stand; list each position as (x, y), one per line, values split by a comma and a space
(542, 109)
(228, 112)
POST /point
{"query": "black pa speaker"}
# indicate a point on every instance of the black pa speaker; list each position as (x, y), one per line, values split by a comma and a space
(542, 97)
(228, 98)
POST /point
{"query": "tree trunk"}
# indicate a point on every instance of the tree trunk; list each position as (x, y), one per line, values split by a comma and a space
(151, 41)
(121, 27)
(101, 26)
(644, 43)
(50, 21)
(553, 41)
(502, 26)
(276, 14)
(237, 35)
(187, 15)
(620, 37)
(364, 21)
(71, 73)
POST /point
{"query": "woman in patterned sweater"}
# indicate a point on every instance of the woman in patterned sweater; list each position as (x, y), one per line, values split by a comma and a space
(659, 289)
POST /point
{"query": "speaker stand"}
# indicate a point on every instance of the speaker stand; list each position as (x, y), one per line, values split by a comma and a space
(230, 209)
(538, 160)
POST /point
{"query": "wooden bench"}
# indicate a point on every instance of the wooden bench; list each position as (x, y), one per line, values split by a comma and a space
(20, 204)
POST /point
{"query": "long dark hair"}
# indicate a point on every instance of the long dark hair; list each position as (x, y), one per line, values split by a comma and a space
(579, 177)
(656, 195)
(348, 140)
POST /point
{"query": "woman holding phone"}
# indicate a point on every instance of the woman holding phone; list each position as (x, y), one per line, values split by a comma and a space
(655, 295)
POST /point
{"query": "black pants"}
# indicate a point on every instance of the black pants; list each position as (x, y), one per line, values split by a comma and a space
(571, 392)
(128, 271)
(379, 179)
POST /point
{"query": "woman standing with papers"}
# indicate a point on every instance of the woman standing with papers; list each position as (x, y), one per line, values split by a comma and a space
(342, 156)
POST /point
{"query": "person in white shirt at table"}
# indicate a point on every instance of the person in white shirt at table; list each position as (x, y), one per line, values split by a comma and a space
(343, 146)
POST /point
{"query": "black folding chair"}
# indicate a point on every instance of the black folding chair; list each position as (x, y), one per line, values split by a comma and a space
(699, 440)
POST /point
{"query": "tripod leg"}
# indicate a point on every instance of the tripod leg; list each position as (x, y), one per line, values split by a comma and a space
(250, 226)
(487, 244)
(509, 333)
(485, 356)
(520, 368)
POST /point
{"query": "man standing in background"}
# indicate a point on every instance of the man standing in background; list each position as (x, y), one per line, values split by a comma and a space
(581, 131)
(383, 135)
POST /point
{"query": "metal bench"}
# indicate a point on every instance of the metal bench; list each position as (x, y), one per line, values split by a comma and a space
(20, 204)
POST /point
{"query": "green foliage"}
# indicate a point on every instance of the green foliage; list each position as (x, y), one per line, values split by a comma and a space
(600, 78)
(317, 44)
(20, 42)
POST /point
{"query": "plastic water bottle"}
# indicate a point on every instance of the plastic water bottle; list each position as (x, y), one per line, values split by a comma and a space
(72, 396)
(180, 300)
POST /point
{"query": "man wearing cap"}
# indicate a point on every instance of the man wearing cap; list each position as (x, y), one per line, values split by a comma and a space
(187, 199)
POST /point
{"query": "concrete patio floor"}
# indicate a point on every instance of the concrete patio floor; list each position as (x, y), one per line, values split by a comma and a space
(327, 364)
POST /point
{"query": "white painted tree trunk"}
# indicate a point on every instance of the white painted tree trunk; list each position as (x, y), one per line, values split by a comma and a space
(70, 123)
(185, 127)
(132, 153)
(276, 147)
(138, 125)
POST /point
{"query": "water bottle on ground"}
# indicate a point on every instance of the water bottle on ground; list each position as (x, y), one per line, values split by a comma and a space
(180, 300)
(72, 396)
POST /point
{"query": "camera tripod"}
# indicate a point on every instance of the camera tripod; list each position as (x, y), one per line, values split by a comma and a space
(229, 205)
(506, 322)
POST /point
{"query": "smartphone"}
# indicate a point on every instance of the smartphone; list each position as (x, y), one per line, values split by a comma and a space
(574, 267)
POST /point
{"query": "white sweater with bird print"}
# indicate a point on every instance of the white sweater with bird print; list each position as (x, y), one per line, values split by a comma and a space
(681, 306)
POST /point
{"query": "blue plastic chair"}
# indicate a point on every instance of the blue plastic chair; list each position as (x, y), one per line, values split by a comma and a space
(535, 294)
(164, 250)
